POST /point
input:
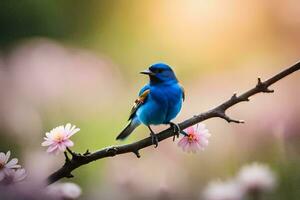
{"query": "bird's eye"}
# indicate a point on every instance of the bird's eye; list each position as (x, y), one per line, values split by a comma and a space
(159, 70)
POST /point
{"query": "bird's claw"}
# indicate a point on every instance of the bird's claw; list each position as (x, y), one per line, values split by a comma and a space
(176, 130)
(154, 139)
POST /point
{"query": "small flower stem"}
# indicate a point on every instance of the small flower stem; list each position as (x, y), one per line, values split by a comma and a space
(184, 133)
(70, 151)
(66, 156)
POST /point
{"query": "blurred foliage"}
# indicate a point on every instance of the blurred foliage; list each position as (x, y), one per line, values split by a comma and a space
(57, 19)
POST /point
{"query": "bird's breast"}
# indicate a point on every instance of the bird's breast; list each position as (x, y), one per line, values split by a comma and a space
(162, 105)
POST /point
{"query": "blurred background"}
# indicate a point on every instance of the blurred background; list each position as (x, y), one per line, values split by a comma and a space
(78, 62)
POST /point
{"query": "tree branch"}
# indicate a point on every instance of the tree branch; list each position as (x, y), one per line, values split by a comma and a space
(219, 111)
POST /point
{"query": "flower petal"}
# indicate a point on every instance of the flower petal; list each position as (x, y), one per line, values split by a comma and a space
(58, 138)
(186, 147)
(12, 163)
(69, 143)
(190, 130)
(182, 141)
(7, 156)
(52, 148)
(196, 140)
(196, 147)
(73, 132)
(48, 134)
(68, 127)
(73, 127)
(20, 175)
(61, 147)
(47, 143)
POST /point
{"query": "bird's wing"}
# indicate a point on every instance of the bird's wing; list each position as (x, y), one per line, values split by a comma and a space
(183, 92)
(146, 87)
(139, 101)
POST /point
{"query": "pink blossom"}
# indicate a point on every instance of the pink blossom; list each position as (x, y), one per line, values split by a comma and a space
(6, 166)
(64, 190)
(58, 139)
(14, 176)
(256, 177)
(196, 138)
(226, 190)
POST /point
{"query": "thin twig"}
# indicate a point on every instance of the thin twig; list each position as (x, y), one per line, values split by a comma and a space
(219, 111)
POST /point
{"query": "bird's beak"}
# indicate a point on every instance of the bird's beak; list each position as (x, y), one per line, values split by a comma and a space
(147, 72)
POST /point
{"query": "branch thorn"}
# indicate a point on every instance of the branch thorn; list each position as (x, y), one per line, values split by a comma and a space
(137, 153)
(234, 96)
(259, 81)
(87, 153)
(267, 90)
(262, 86)
(228, 119)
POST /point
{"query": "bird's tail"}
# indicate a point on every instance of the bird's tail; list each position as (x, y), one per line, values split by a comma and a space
(128, 129)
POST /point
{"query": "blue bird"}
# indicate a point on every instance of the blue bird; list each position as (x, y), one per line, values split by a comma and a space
(159, 102)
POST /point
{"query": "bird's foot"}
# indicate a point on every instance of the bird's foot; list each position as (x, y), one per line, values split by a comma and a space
(154, 139)
(176, 130)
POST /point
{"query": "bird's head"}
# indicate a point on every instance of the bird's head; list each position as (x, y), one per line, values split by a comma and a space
(160, 73)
